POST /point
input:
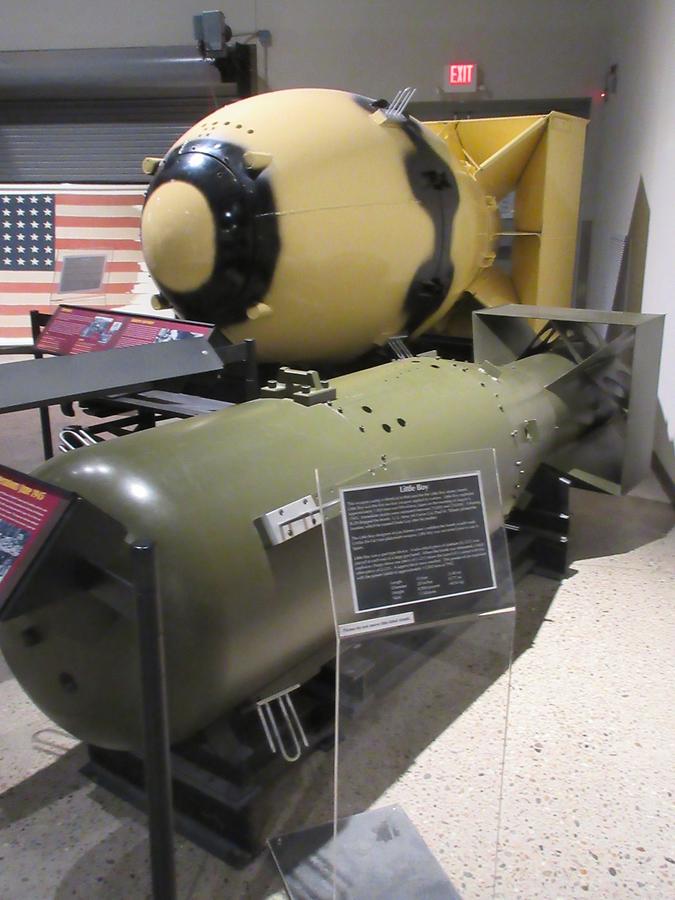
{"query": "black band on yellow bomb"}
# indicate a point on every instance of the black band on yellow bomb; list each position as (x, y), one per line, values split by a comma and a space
(210, 235)
(435, 187)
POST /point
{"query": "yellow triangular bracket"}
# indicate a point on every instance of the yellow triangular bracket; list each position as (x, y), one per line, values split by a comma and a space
(541, 159)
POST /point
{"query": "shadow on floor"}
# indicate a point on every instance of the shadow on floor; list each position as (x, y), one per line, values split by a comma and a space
(604, 525)
(118, 867)
(45, 787)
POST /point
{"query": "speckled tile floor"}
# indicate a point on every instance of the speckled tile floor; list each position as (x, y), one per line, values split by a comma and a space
(589, 769)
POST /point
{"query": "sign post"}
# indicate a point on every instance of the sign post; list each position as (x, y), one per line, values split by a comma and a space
(424, 614)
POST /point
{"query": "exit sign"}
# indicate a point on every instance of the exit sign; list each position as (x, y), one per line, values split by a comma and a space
(461, 76)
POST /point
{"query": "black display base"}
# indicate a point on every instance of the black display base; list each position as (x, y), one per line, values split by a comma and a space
(222, 777)
(379, 854)
(537, 528)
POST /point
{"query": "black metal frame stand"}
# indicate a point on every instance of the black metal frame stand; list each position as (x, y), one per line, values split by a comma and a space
(37, 321)
(538, 530)
(157, 753)
(114, 397)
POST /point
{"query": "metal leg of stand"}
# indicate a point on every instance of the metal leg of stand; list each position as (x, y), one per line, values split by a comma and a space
(155, 724)
(46, 428)
(252, 388)
(36, 320)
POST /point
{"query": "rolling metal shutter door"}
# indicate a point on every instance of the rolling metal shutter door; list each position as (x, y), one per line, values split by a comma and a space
(97, 141)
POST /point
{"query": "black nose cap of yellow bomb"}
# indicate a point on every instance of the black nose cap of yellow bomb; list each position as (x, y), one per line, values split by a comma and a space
(209, 232)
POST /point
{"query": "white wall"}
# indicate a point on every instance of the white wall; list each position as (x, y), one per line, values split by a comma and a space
(638, 140)
(528, 48)
(525, 48)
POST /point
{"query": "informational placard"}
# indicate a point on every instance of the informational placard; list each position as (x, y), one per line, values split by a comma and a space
(78, 329)
(422, 600)
(412, 542)
(29, 511)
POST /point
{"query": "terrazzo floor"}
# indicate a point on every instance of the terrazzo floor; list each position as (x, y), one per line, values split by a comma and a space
(589, 771)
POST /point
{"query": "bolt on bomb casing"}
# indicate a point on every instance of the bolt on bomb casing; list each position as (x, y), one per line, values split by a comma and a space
(241, 619)
(308, 220)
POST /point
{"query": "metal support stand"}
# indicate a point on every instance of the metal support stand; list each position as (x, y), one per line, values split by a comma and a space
(37, 321)
(537, 530)
(126, 381)
(273, 732)
(251, 385)
(155, 723)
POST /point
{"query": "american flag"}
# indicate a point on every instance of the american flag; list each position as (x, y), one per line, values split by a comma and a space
(40, 227)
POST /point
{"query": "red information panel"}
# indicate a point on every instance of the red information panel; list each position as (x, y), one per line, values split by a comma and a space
(78, 329)
(29, 512)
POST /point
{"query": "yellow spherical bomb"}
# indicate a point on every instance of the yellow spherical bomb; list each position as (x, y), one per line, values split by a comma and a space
(318, 222)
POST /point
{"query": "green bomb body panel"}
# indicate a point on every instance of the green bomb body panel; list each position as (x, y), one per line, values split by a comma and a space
(240, 617)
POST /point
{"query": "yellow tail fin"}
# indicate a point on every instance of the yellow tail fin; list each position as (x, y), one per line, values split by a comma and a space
(541, 159)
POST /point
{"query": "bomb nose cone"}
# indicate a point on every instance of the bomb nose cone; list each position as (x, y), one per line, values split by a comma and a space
(209, 234)
(179, 237)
